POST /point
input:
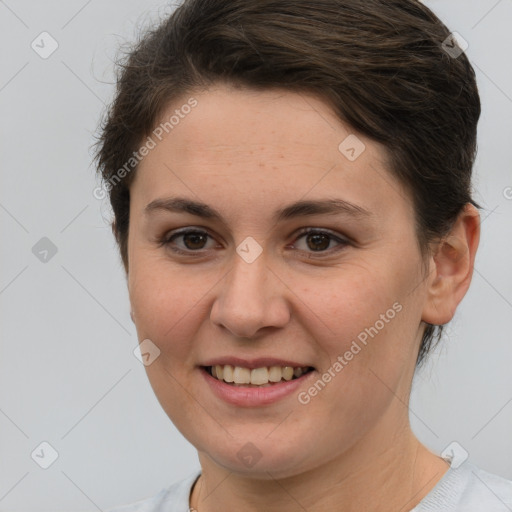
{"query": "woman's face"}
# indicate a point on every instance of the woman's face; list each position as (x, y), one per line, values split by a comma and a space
(347, 299)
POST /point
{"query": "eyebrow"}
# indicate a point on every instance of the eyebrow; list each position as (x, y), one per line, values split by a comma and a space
(298, 209)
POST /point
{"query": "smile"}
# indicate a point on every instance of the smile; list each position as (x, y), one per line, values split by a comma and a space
(278, 382)
(260, 377)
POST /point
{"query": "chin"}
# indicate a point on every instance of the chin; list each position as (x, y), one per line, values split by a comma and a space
(265, 459)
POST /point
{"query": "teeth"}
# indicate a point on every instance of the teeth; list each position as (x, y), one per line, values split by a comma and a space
(258, 376)
(275, 374)
(228, 373)
(287, 373)
(241, 375)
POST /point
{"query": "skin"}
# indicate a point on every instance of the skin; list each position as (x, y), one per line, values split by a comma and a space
(248, 153)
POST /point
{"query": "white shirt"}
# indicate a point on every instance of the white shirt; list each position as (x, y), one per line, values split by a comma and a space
(464, 489)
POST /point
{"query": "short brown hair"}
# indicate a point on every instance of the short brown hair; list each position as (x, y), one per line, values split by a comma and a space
(381, 65)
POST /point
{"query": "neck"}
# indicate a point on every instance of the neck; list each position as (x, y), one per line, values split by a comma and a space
(372, 475)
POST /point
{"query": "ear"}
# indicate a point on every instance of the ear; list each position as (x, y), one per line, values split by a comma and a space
(451, 268)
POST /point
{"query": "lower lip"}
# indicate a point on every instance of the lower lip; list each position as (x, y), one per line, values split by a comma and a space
(253, 396)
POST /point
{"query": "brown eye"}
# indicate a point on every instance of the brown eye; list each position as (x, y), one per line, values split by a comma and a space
(319, 241)
(192, 241)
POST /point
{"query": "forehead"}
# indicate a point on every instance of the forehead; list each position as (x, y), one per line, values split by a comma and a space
(263, 145)
(273, 124)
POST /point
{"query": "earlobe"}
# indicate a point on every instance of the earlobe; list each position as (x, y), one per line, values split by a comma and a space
(452, 268)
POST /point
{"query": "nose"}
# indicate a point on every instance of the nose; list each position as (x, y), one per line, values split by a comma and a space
(250, 298)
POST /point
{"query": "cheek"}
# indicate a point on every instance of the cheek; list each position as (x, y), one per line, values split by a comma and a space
(370, 321)
(168, 302)
(337, 305)
(358, 303)
(346, 303)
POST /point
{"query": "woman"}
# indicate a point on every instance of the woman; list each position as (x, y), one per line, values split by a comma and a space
(291, 185)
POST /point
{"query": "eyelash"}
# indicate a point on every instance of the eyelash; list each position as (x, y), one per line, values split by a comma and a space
(168, 239)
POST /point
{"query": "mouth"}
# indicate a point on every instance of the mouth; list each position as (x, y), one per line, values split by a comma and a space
(262, 377)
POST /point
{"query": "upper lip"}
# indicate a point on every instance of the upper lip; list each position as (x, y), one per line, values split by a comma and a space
(260, 362)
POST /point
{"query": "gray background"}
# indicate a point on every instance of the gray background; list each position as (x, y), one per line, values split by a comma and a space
(68, 375)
